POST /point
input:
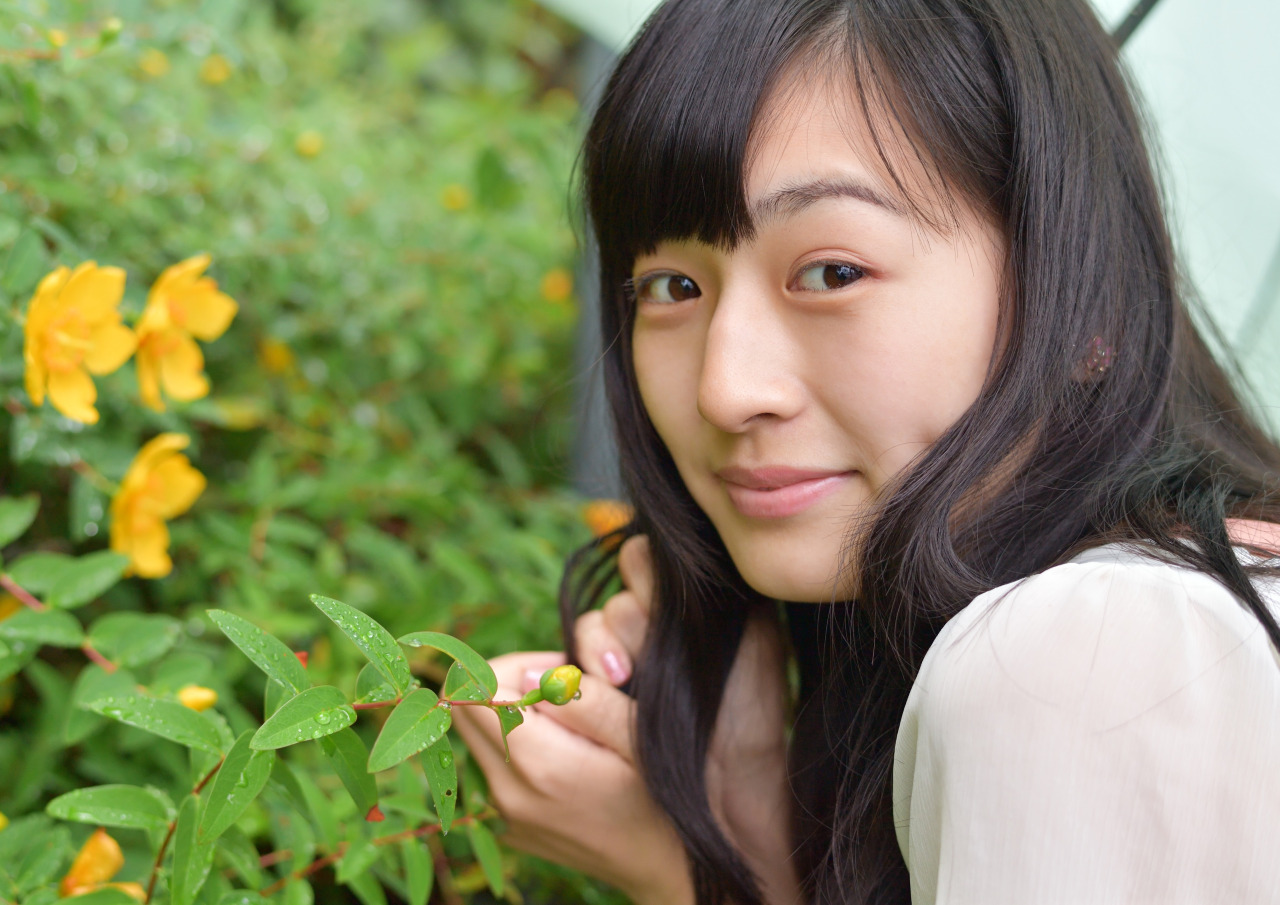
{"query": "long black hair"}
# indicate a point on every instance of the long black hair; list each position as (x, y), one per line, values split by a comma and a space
(1019, 109)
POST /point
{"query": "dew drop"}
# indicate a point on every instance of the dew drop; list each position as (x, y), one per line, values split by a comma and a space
(446, 759)
(446, 706)
(322, 718)
(577, 695)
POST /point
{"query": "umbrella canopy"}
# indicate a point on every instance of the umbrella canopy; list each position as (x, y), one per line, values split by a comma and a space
(1209, 74)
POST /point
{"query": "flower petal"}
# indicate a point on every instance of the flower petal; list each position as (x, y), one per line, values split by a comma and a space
(208, 312)
(113, 343)
(177, 275)
(149, 379)
(181, 370)
(147, 546)
(95, 291)
(179, 484)
(72, 392)
(153, 452)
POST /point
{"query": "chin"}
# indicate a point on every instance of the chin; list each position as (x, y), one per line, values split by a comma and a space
(789, 575)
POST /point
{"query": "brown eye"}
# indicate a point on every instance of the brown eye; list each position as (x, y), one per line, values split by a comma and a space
(824, 277)
(667, 288)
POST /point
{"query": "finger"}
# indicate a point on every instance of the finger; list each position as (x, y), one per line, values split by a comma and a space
(627, 620)
(635, 565)
(603, 714)
(600, 651)
(510, 668)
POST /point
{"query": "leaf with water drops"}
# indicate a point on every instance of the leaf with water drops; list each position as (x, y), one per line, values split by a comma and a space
(42, 627)
(471, 661)
(16, 516)
(266, 652)
(509, 717)
(168, 719)
(132, 639)
(442, 776)
(485, 848)
(378, 644)
(114, 805)
(87, 579)
(417, 722)
(348, 756)
(372, 688)
(191, 858)
(106, 895)
(237, 783)
(93, 683)
(313, 714)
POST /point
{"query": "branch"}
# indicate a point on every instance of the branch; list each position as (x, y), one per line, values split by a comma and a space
(24, 596)
(168, 836)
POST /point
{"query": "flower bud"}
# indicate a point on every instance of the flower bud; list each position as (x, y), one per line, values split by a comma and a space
(560, 685)
(99, 860)
(197, 697)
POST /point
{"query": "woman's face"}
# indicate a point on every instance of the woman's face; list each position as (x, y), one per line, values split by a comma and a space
(793, 377)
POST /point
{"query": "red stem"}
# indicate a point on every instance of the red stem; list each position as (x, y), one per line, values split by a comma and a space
(89, 651)
(168, 836)
(24, 596)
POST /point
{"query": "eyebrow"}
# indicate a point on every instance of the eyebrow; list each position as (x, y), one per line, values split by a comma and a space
(792, 199)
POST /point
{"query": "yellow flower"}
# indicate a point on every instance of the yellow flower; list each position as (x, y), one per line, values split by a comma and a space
(182, 304)
(159, 485)
(275, 356)
(197, 697)
(73, 330)
(557, 285)
(57, 37)
(455, 197)
(8, 606)
(309, 143)
(99, 860)
(215, 69)
(154, 63)
(606, 516)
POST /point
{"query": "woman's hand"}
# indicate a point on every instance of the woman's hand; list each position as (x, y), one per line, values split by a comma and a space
(571, 792)
(746, 763)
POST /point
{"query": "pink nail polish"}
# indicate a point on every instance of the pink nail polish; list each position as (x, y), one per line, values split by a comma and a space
(614, 667)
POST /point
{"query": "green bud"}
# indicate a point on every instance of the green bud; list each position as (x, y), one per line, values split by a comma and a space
(110, 31)
(560, 685)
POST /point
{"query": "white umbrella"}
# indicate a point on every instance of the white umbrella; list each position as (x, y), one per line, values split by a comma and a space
(1210, 76)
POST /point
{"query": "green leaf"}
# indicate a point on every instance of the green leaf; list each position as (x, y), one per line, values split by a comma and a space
(37, 572)
(372, 688)
(485, 848)
(13, 657)
(167, 719)
(92, 684)
(42, 627)
(475, 665)
(114, 805)
(267, 652)
(442, 775)
(459, 685)
(237, 783)
(417, 722)
(240, 854)
(373, 640)
(314, 713)
(132, 639)
(27, 259)
(348, 756)
(509, 718)
(191, 859)
(87, 579)
(358, 858)
(105, 896)
(16, 516)
(419, 871)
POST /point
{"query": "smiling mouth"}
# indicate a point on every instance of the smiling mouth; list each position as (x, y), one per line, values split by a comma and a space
(779, 491)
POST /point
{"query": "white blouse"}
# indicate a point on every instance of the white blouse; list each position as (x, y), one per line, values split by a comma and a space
(1107, 731)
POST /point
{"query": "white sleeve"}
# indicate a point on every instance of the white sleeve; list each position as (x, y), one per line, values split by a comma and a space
(1100, 733)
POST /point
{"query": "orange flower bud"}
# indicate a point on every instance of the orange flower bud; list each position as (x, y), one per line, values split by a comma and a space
(197, 697)
(560, 685)
(99, 860)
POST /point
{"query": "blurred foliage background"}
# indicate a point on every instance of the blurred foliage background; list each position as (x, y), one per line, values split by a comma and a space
(384, 187)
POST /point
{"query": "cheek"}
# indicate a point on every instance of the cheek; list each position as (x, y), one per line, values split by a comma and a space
(668, 383)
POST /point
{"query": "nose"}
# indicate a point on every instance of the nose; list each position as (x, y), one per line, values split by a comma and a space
(748, 363)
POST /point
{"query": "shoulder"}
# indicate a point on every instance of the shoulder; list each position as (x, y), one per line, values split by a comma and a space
(1108, 723)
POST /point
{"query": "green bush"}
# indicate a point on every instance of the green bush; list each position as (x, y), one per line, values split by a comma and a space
(382, 187)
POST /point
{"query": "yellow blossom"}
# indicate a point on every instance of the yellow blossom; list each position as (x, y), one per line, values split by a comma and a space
(606, 516)
(154, 63)
(557, 285)
(309, 143)
(275, 356)
(197, 697)
(73, 330)
(215, 69)
(159, 485)
(99, 860)
(182, 304)
(8, 606)
(455, 197)
(57, 37)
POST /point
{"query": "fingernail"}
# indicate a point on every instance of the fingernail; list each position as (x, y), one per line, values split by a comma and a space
(615, 667)
(530, 680)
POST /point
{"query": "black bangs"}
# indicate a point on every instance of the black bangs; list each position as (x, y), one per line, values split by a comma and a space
(666, 152)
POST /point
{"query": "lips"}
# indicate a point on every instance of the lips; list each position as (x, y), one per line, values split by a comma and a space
(778, 491)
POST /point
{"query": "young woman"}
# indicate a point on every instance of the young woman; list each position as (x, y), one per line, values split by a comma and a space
(895, 335)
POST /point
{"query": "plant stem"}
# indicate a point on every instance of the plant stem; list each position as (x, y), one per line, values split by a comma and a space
(24, 596)
(92, 653)
(168, 836)
(374, 705)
